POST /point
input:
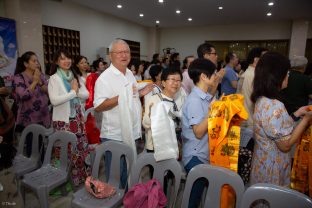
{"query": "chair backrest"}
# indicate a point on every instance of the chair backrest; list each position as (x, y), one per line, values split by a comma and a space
(118, 149)
(38, 132)
(217, 177)
(160, 169)
(63, 138)
(276, 196)
(85, 116)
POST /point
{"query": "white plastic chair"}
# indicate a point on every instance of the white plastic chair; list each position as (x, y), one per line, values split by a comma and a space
(276, 196)
(160, 169)
(217, 177)
(82, 198)
(23, 164)
(48, 177)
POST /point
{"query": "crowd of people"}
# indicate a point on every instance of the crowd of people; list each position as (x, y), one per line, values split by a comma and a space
(276, 94)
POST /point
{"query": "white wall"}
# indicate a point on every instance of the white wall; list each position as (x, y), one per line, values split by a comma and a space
(186, 40)
(96, 29)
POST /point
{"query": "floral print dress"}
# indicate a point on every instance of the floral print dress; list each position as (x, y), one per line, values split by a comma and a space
(32, 105)
(80, 159)
(271, 123)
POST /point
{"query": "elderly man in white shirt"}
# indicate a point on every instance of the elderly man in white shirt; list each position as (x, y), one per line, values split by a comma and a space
(111, 83)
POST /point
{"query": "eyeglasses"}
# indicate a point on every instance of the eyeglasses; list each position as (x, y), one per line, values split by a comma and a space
(119, 53)
(174, 80)
(214, 53)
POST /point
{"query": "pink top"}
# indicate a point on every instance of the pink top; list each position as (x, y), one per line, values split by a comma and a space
(187, 82)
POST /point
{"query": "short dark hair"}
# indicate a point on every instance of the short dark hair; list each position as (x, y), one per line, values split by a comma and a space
(201, 66)
(56, 56)
(54, 66)
(185, 61)
(229, 56)
(170, 71)
(270, 73)
(254, 53)
(96, 63)
(203, 49)
(155, 56)
(174, 56)
(155, 59)
(154, 71)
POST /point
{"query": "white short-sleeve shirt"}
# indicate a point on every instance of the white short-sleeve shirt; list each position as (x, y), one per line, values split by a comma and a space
(110, 84)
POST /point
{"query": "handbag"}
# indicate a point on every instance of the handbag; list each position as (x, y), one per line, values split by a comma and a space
(99, 189)
(148, 195)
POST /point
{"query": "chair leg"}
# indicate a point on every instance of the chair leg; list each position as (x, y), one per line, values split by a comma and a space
(22, 194)
(63, 188)
(43, 196)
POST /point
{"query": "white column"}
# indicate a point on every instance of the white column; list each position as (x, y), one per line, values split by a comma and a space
(27, 14)
(298, 39)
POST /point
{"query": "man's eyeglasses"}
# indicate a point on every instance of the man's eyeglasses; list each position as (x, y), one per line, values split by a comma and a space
(213, 53)
(118, 53)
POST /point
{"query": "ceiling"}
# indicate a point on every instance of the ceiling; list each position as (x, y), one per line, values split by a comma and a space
(202, 12)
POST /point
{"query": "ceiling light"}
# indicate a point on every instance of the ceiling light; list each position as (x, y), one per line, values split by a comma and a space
(178, 11)
(157, 21)
(189, 19)
(141, 15)
(161, 1)
(220, 7)
(119, 6)
(271, 3)
(269, 14)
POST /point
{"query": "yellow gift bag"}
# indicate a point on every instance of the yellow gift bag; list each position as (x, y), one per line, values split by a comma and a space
(224, 121)
(301, 173)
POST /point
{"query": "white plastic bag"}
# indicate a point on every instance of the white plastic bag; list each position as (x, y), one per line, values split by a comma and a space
(163, 133)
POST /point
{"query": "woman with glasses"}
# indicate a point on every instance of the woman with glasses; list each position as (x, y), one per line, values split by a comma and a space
(171, 79)
(274, 129)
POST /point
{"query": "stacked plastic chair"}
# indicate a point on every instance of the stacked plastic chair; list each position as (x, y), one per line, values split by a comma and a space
(48, 177)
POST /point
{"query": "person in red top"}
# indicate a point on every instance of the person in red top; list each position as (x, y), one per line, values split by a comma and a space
(93, 133)
(99, 67)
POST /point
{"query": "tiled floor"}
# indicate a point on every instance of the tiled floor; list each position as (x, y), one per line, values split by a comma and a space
(31, 201)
